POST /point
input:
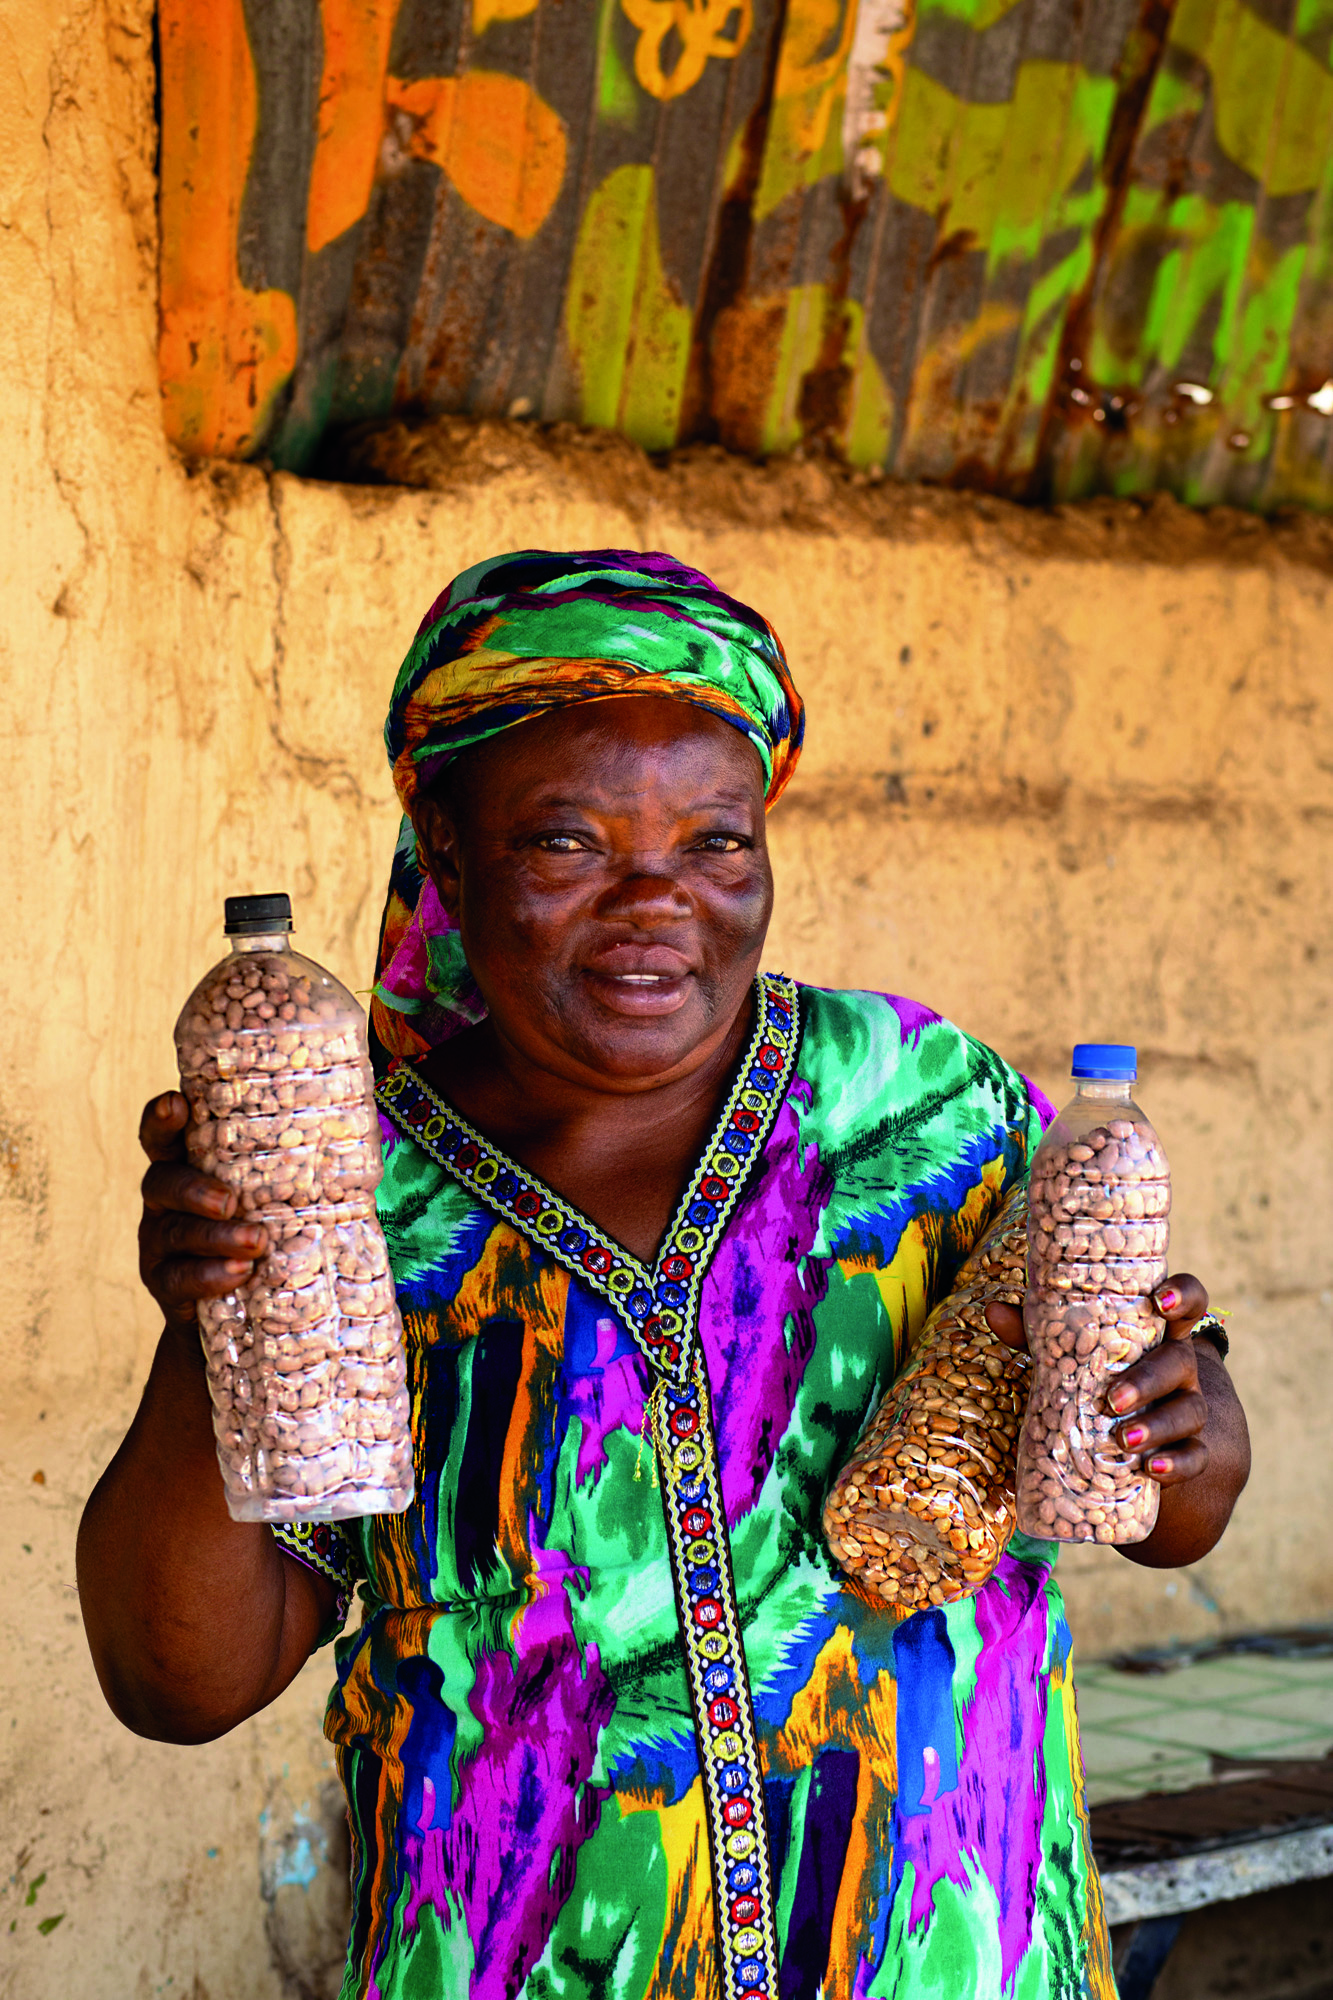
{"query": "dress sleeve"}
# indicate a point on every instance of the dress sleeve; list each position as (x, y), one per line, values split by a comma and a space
(324, 1548)
(1043, 1112)
(1035, 1113)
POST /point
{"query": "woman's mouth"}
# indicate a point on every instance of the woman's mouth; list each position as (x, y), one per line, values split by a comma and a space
(641, 979)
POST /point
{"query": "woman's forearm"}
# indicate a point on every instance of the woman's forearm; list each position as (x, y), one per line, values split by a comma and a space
(1194, 1514)
(194, 1620)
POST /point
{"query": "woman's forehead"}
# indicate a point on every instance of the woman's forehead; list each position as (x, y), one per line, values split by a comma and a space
(600, 747)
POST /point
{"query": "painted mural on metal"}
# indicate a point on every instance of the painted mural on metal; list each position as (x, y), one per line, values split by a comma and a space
(1046, 246)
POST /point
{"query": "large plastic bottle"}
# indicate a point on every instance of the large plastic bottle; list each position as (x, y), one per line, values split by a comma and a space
(305, 1359)
(1098, 1201)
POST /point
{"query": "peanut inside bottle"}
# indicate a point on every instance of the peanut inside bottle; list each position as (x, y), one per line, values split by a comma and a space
(1098, 1203)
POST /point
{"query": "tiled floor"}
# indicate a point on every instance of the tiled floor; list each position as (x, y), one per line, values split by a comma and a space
(1155, 1732)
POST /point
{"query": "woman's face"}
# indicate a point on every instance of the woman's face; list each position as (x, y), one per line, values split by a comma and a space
(608, 868)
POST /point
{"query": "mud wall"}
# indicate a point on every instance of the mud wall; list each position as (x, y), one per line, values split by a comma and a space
(1067, 774)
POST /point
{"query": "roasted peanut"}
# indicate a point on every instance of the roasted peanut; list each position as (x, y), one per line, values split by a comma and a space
(923, 1510)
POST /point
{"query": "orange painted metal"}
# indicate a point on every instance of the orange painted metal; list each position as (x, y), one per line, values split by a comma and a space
(225, 352)
(357, 34)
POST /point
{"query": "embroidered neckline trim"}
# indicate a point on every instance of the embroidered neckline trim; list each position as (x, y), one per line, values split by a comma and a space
(658, 1306)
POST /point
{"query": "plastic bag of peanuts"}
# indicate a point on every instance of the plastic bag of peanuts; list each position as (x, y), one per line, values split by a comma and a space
(305, 1359)
(924, 1509)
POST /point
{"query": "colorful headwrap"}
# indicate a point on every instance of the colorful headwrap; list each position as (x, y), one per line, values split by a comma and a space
(524, 634)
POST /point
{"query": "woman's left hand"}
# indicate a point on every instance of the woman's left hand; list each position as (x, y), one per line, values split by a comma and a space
(1179, 1412)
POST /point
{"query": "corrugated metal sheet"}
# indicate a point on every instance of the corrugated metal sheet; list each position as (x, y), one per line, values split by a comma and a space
(1045, 246)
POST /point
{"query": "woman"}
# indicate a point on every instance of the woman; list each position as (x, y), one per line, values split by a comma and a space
(653, 1215)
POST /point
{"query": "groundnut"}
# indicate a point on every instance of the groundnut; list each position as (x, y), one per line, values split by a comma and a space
(923, 1510)
(305, 1361)
(1098, 1239)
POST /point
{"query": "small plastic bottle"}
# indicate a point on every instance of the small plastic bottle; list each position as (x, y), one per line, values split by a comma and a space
(305, 1360)
(1098, 1201)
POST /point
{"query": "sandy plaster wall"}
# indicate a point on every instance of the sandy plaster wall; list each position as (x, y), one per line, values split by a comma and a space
(1054, 787)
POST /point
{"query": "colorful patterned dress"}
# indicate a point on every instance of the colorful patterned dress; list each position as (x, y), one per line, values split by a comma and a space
(514, 1719)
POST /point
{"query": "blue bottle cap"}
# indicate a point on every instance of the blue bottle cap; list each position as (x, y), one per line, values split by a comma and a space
(1105, 1062)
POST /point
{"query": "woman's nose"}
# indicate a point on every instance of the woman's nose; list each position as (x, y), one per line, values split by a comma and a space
(645, 892)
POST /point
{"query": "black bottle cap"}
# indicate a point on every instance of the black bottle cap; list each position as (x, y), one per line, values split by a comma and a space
(254, 916)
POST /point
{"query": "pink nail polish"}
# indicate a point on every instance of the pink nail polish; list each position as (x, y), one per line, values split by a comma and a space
(1168, 1300)
(1158, 1466)
(1136, 1435)
(1120, 1399)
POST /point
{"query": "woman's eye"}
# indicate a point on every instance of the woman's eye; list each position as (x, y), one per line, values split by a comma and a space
(721, 843)
(559, 843)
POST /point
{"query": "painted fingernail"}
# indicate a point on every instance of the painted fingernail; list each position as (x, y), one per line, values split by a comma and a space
(236, 1267)
(1136, 1435)
(1168, 1300)
(1121, 1399)
(1160, 1466)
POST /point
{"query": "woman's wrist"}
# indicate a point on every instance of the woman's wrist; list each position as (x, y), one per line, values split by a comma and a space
(180, 1348)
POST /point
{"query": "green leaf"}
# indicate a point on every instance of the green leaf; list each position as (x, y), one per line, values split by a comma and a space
(48, 1924)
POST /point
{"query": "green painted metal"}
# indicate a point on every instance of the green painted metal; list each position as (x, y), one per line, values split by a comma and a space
(1047, 247)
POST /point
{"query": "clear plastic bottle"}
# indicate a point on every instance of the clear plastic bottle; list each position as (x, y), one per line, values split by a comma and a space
(1098, 1202)
(305, 1360)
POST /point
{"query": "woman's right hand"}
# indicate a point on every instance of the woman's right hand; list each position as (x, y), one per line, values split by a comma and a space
(190, 1248)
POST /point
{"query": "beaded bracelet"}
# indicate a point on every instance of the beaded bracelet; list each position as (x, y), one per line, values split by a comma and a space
(1211, 1329)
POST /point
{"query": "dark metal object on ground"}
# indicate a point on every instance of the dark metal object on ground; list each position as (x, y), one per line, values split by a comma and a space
(1149, 1948)
(1268, 1822)
(1256, 1799)
(1308, 1642)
